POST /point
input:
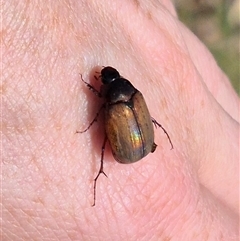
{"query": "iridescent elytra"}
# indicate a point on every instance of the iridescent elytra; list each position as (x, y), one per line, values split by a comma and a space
(127, 121)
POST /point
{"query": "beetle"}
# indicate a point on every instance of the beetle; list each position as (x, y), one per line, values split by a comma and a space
(127, 121)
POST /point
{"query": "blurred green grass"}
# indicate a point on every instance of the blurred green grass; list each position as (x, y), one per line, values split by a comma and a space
(217, 24)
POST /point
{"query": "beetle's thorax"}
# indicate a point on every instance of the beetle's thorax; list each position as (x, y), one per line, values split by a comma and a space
(119, 90)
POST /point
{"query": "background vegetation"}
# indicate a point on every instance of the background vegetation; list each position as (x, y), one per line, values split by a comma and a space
(217, 24)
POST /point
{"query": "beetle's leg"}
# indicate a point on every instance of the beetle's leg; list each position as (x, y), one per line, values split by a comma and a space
(96, 92)
(158, 125)
(100, 170)
(95, 119)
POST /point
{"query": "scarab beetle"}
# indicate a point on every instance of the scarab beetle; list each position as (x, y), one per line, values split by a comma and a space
(128, 124)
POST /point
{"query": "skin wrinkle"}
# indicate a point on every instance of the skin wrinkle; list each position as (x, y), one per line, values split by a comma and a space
(21, 227)
(176, 214)
(170, 198)
(209, 76)
(50, 213)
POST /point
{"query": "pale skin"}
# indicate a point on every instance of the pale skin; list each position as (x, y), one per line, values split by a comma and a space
(188, 193)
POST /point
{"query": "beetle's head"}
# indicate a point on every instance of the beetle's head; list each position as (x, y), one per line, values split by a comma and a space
(109, 74)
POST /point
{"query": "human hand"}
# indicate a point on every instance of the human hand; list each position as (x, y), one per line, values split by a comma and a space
(188, 193)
